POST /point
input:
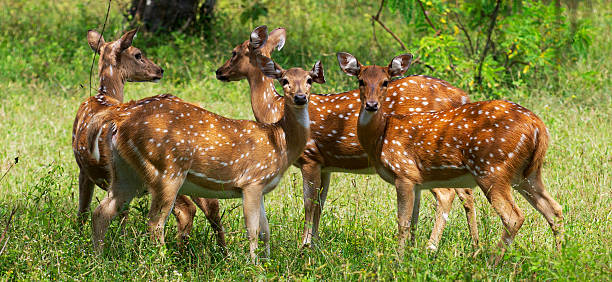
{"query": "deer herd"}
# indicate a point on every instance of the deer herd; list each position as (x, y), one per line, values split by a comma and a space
(416, 132)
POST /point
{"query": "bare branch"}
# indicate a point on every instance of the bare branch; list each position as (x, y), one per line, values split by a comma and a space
(419, 62)
(390, 32)
(377, 19)
(486, 48)
(467, 35)
(427, 18)
(8, 224)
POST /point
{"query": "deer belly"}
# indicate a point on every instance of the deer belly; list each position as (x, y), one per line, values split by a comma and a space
(351, 163)
(366, 170)
(192, 189)
(462, 181)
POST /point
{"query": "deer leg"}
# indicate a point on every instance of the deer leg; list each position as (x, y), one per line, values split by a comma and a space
(466, 195)
(251, 203)
(264, 228)
(500, 197)
(210, 207)
(444, 202)
(163, 197)
(405, 203)
(86, 189)
(311, 178)
(415, 215)
(534, 191)
(117, 198)
(123, 218)
(184, 211)
(322, 195)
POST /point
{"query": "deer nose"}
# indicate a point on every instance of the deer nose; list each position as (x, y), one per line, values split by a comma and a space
(371, 106)
(300, 99)
(218, 72)
(160, 71)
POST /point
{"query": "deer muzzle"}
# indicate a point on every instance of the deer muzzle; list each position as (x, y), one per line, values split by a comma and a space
(371, 106)
(300, 99)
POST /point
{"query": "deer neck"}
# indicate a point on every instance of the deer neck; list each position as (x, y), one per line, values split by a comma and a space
(295, 127)
(111, 82)
(267, 105)
(370, 131)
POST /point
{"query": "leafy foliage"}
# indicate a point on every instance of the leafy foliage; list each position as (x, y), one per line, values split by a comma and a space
(528, 39)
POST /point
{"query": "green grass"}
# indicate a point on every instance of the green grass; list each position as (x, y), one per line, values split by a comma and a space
(44, 58)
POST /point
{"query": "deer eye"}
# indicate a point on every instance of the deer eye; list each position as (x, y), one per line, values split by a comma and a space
(284, 82)
(309, 81)
(138, 56)
(361, 83)
(233, 53)
(385, 83)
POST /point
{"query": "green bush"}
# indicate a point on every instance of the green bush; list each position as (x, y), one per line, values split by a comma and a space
(528, 39)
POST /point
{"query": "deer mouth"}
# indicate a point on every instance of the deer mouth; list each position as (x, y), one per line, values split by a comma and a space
(371, 106)
(223, 78)
(300, 100)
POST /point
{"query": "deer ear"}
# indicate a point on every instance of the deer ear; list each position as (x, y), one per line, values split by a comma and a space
(276, 39)
(258, 37)
(317, 73)
(269, 67)
(399, 65)
(92, 38)
(126, 40)
(349, 64)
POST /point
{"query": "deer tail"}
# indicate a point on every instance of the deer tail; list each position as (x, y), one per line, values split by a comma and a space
(98, 123)
(541, 145)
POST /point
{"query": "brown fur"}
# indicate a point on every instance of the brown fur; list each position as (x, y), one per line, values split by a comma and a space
(169, 147)
(333, 145)
(120, 62)
(498, 144)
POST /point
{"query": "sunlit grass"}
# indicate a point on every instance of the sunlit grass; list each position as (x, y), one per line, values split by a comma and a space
(45, 60)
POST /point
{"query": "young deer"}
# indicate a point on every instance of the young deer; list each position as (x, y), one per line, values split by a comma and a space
(121, 62)
(495, 144)
(333, 146)
(168, 147)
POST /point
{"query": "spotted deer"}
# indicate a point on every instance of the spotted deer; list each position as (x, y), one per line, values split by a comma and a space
(333, 146)
(120, 62)
(497, 145)
(168, 147)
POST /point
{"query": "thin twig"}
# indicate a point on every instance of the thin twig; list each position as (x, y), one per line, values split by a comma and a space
(467, 35)
(419, 61)
(390, 32)
(8, 224)
(377, 19)
(427, 18)
(489, 32)
(98, 45)
(10, 167)
(382, 3)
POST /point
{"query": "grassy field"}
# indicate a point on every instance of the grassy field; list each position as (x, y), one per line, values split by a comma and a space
(44, 69)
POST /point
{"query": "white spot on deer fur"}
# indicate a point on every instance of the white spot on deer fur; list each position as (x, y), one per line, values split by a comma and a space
(445, 216)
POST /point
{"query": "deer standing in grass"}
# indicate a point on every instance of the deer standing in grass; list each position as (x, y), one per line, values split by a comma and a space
(497, 145)
(121, 62)
(170, 147)
(333, 146)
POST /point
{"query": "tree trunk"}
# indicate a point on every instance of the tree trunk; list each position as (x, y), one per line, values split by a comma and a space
(170, 15)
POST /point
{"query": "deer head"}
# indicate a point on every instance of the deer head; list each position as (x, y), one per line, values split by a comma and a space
(373, 80)
(244, 56)
(296, 82)
(119, 59)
